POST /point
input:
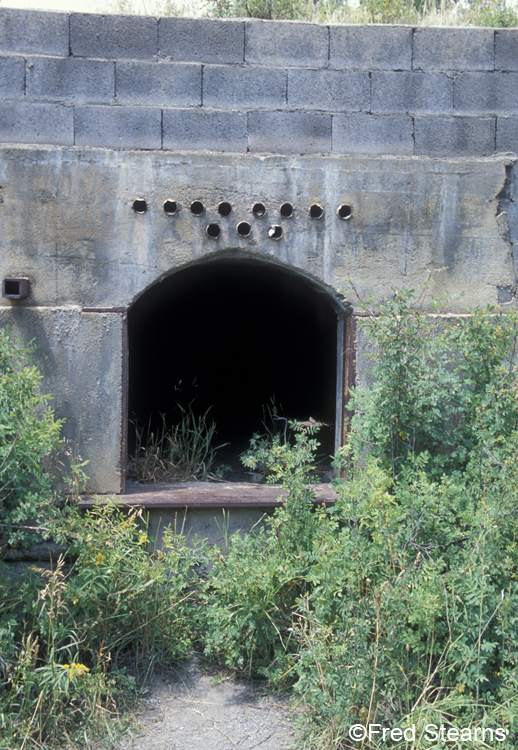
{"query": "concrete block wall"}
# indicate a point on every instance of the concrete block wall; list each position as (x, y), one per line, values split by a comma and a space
(256, 86)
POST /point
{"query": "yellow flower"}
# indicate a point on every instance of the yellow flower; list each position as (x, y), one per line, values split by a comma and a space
(75, 670)
(143, 539)
(99, 559)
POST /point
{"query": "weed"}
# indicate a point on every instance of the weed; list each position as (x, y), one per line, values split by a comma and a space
(413, 12)
(76, 640)
(28, 434)
(181, 453)
(397, 606)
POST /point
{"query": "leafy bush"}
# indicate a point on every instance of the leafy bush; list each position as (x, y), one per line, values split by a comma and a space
(493, 13)
(413, 619)
(253, 589)
(73, 641)
(442, 386)
(29, 433)
(398, 605)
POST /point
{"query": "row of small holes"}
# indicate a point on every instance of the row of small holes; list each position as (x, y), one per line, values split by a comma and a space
(258, 209)
(244, 229)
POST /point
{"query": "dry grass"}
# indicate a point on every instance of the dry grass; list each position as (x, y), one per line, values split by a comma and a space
(180, 453)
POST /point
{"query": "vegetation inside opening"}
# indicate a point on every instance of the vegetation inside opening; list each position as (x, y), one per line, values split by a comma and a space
(217, 353)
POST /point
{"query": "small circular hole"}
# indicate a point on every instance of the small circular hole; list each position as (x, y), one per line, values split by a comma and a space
(344, 211)
(213, 230)
(140, 206)
(197, 208)
(170, 207)
(258, 210)
(316, 211)
(275, 232)
(244, 229)
(286, 210)
(225, 209)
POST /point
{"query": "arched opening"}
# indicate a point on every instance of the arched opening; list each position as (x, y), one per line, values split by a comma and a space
(236, 337)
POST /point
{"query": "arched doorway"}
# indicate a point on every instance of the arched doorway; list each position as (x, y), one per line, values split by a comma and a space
(235, 336)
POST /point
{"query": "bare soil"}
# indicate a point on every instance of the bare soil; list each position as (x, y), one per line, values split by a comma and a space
(192, 710)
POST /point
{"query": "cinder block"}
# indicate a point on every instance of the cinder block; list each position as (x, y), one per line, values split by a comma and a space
(175, 84)
(373, 134)
(31, 122)
(289, 132)
(12, 77)
(453, 49)
(237, 86)
(113, 37)
(202, 40)
(454, 136)
(506, 49)
(284, 43)
(118, 127)
(486, 93)
(31, 32)
(507, 134)
(70, 79)
(331, 90)
(371, 47)
(204, 130)
(398, 93)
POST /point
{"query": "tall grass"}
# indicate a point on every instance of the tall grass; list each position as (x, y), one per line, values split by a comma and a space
(180, 453)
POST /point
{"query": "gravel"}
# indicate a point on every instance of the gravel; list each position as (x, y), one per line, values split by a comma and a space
(191, 710)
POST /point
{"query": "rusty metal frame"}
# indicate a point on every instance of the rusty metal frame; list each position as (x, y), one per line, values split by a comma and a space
(341, 328)
(345, 373)
(349, 380)
(124, 401)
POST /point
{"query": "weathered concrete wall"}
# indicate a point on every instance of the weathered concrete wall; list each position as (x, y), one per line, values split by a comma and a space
(402, 125)
(80, 357)
(256, 86)
(214, 525)
(68, 222)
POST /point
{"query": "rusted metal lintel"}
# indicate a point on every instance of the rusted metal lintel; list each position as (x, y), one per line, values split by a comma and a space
(349, 381)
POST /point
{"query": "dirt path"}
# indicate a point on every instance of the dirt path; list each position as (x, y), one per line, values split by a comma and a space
(195, 711)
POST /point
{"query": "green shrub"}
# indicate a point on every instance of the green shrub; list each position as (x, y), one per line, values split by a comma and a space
(493, 13)
(441, 386)
(253, 589)
(398, 605)
(75, 641)
(414, 616)
(269, 9)
(29, 433)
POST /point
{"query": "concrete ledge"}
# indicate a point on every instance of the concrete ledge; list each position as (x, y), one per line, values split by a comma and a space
(207, 495)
